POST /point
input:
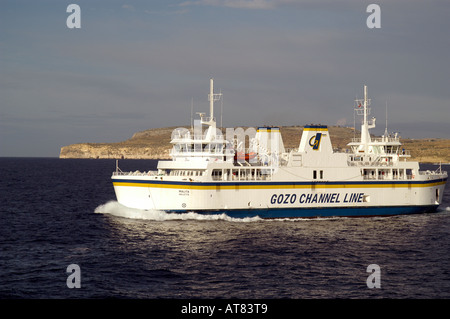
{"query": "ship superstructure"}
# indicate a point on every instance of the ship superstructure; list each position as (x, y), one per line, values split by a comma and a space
(215, 172)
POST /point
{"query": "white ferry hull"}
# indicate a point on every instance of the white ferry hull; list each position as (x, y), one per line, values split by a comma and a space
(283, 199)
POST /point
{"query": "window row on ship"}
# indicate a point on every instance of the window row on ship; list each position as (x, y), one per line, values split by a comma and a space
(249, 174)
(387, 173)
(235, 174)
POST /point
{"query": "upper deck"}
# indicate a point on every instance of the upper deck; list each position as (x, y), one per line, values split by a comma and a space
(199, 155)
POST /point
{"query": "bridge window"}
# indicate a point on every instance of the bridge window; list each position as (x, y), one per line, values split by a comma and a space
(217, 174)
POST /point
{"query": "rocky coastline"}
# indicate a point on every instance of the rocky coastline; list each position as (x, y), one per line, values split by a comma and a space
(155, 144)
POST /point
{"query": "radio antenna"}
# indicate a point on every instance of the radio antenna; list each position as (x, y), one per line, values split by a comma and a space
(386, 130)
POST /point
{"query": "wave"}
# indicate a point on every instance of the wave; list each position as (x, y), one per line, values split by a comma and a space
(114, 208)
(443, 209)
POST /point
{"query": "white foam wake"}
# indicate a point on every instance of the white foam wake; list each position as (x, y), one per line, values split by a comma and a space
(116, 209)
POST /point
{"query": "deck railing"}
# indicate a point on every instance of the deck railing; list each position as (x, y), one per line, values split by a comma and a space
(135, 173)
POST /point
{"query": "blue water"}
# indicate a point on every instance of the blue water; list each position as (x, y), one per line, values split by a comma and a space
(54, 213)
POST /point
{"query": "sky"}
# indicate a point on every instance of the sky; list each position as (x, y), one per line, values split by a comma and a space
(135, 65)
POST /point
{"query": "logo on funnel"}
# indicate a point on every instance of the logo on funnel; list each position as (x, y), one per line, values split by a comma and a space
(314, 141)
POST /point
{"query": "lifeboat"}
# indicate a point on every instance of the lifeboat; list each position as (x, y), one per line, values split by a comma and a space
(241, 156)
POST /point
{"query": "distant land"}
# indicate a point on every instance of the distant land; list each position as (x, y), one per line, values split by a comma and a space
(155, 144)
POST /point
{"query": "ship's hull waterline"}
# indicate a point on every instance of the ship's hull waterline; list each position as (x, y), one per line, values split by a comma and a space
(283, 199)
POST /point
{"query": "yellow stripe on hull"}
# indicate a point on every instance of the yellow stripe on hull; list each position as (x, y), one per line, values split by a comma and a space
(272, 186)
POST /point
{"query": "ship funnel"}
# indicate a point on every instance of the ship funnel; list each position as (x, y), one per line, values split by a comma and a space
(269, 140)
(316, 138)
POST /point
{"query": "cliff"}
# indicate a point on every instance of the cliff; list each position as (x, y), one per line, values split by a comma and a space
(149, 144)
(155, 144)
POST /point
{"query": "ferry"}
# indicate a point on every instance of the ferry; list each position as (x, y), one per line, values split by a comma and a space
(213, 173)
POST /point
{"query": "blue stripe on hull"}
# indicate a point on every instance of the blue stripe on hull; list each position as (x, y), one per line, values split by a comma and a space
(321, 212)
(290, 183)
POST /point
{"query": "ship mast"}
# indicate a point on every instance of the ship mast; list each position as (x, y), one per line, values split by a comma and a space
(385, 149)
(211, 121)
(365, 135)
(212, 97)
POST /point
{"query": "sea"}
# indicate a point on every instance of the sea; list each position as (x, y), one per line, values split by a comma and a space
(63, 235)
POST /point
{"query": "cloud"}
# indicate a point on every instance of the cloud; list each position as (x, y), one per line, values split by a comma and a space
(272, 4)
(128, 7)
(239, 4)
